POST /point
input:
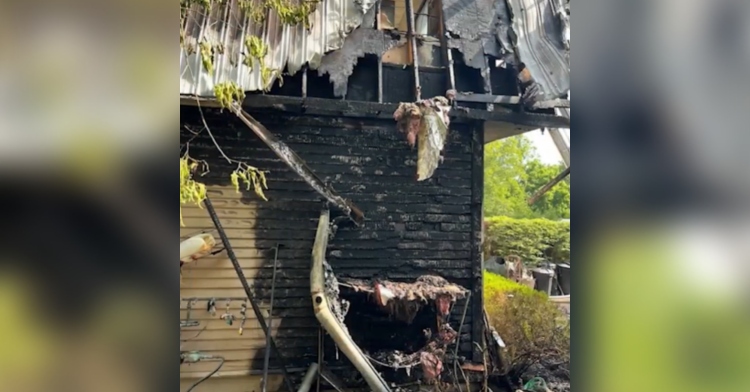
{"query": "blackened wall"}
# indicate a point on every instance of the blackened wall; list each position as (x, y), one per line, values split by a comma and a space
(412, 228)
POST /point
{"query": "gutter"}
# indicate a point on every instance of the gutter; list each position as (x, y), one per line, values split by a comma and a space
(325, 316)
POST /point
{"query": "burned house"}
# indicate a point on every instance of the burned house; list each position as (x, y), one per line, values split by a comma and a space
(362, 125)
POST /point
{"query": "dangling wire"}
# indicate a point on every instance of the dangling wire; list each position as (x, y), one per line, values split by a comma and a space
(221, 363)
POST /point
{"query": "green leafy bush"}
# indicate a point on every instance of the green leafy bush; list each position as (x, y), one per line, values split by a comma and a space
(533, 240)
(535, 331)
(496, 284)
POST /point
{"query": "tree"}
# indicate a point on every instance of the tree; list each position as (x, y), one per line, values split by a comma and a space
(505, 176)
(513, 172)
(555, 204)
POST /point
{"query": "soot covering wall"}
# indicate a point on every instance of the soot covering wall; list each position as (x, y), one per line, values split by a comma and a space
(411, 228)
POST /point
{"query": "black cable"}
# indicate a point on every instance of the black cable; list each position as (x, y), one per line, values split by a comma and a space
(221, 363)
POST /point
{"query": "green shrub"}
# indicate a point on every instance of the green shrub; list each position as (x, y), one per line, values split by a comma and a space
(535, 331)
(495, 284)
(533, 240)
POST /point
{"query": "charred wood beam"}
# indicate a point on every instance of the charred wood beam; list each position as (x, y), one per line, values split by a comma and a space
(413, 45)
(448, 54)
(510, 100)
(248, 292)
(339, 108)
(380, 55)
(487, 82)
(299, 166)
(539, 193)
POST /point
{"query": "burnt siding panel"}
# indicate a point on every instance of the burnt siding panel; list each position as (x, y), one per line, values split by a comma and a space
(412, 228)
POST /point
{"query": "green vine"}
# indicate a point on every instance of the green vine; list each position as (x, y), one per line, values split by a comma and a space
(257, 13)
(207, 55)
(289, 12)
(256, 50)
(191, 191)
(228, 92)
(251, 177)
(194, 192)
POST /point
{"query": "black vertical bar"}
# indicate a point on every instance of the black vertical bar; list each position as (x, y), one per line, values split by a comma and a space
(477, 267)
(248, 292)
(267, 356)
(413, 45)
(487, 81)
(304, 82)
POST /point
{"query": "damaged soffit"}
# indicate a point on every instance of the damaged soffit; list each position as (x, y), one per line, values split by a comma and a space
(339, 64)
(533, 32)
(225, 26)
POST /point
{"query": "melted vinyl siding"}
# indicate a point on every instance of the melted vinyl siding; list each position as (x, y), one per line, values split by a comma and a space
(412, 228)
(214, 276)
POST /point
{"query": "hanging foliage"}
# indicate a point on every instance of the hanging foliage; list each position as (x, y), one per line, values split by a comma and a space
(207, 56)
(194, 192)
(191, 191)
(251, 178)
(228, 92)
(293, 14)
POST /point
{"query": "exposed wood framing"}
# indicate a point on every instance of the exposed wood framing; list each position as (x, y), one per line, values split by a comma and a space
(487, 82)
(299, 166)
(448, 54)
(477, 196)
(533, 199)
(380, 56)
(330, 107)
(413, 46)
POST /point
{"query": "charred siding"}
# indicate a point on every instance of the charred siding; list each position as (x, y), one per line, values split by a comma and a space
(411, 228)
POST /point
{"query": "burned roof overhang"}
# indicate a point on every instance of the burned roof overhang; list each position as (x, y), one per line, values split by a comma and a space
(535, 33)
(330, 107)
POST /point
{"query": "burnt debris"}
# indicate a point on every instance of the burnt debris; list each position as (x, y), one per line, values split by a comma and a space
(404, 326)
(425, 124)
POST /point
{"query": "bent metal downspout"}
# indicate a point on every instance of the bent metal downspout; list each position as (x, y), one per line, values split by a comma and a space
(326, 317)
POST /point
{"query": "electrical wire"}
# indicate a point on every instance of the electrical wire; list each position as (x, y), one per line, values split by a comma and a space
(221, 363)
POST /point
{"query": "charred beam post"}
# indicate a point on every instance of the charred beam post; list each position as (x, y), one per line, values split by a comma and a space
(413, 45)
(447, 52)
(380, 55)
(486, 75)
(248, 292)
(477, 264)
(298, 165)
(539, 193)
